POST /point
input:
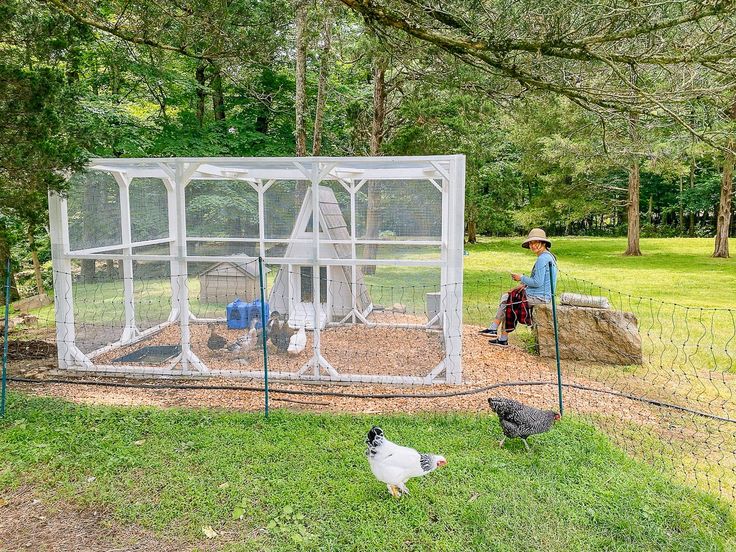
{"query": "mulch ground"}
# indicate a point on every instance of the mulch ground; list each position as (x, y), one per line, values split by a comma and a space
(370, 348)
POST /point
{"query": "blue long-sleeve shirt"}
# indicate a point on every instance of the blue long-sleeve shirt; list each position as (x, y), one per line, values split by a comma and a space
(538, 284)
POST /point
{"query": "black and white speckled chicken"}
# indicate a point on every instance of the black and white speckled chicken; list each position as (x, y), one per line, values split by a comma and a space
(519, 420)
(394, 465)
(246, 342)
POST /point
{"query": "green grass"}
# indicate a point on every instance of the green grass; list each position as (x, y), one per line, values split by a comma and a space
(175, 471)
(678, 270)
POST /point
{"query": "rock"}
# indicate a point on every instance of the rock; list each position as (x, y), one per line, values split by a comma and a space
(597, 335)
(398, 307)
(29, 319)
(30, 303)
(579, 300)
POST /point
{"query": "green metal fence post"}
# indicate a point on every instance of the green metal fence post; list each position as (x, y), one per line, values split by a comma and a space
(5, 338)
(264, 336)
(557, 341)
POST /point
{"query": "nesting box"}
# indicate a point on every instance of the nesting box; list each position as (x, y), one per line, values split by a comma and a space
(223, 281)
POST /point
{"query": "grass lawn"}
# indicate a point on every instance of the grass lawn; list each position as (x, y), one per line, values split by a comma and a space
(177, 471)
(679, 270)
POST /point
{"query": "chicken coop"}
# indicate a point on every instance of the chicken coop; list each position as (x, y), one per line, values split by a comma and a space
(223, 280)
(364, 255)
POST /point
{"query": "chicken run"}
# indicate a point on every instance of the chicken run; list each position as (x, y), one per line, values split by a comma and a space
(354, 264)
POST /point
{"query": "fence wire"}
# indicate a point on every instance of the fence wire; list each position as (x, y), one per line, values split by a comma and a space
(657, 377)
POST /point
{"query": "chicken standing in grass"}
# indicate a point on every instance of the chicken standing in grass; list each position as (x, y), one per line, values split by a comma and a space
(394, 465)
(519, 420)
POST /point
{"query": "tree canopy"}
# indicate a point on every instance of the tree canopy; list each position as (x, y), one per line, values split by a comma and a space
(562, 108)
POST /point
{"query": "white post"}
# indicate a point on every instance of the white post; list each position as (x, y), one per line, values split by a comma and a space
(316, 300)
(173, 248)
(354, 254)
(129, 330)
(183, 174)
(452, 284)
(261, 221)
(62, 266)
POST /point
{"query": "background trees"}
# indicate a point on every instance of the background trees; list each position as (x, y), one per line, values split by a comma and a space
(563, 109)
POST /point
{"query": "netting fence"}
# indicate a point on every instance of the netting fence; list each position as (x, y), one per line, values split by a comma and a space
(657, 377)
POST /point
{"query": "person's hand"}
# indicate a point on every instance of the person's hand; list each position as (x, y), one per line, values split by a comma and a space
(516, 277)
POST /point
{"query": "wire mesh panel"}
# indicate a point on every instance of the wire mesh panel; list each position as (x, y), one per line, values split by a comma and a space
(399, 209)
(224, 209)
(93, 211)
(97, 301)
(282, 203)
(149, 217)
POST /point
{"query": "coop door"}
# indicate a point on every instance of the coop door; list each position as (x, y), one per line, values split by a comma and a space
(305, 276)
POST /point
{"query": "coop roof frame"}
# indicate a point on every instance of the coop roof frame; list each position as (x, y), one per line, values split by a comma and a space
(445, 172)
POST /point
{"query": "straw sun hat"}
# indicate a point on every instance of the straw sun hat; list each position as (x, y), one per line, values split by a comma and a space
(536, 234)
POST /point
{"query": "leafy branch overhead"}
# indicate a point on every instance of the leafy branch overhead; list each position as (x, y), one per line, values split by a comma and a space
(683, 51)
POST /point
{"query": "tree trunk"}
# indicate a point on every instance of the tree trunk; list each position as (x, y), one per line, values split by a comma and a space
(724, 207)
(632, 212)
(324, 67)
(633, 222)
(36, 263)
(201, 92)
(301, 78)
(681, 213)
(373, 215)
(472, 237)
(114, 79)
(218, 99)
(263, 116)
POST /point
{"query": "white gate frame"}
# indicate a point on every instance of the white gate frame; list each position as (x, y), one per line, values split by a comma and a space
(446, 173)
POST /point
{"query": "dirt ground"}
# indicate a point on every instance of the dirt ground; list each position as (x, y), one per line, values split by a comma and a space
(28, 522)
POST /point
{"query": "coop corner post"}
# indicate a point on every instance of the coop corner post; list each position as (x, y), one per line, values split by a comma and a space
(264, 334)
(453, 284)
(62, 276)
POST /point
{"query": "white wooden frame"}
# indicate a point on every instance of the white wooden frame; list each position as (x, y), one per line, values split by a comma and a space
(445, 173)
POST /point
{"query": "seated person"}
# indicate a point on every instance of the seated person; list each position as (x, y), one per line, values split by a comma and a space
(533, 290)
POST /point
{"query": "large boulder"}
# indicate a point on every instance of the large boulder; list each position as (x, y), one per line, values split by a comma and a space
(30, 303)
(591, 334)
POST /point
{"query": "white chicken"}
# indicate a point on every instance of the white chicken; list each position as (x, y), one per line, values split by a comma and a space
(298, 342)
(394, 465)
